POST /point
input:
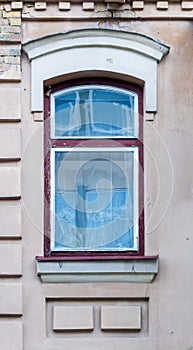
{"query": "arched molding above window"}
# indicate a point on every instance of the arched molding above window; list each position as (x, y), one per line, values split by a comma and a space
(127, 54)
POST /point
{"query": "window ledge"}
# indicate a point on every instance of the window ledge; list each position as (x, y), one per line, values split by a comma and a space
(134, 269)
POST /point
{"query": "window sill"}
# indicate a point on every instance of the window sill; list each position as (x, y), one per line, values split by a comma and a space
(136, 269)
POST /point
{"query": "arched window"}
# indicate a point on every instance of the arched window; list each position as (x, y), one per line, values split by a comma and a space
(94, 151)
(94, 165)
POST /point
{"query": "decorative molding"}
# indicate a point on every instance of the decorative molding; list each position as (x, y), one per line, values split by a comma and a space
(19, 4)
(138, 5)
(187, 5)
(162, 5)
(88, 6)
(40, 6)
(102, 315)
(114, 8)
(130, 41)
(141, 270)
(36, 9)
(64, 5)
(98, 50)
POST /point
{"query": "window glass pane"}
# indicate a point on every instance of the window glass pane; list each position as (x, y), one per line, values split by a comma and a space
(94, 111)
(94, 200)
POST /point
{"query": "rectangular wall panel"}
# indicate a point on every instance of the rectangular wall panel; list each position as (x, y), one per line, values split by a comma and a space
(93, 317)
(10, 143)
(11, 335)
(72, 318)
(10, 186)
(10, 260)
(10, 103)
(121, 317)
(10, 219)
(10, 299)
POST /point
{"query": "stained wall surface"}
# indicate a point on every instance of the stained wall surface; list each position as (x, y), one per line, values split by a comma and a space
(62, 316)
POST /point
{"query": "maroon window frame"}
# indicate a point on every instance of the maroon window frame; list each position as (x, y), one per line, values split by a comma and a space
(50, 143)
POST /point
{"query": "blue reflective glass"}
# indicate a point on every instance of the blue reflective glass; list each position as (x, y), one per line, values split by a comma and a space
(94, 111)
(94, 200)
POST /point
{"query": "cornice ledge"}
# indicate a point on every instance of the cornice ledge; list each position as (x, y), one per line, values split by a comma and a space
(96, 37)
(133, 270)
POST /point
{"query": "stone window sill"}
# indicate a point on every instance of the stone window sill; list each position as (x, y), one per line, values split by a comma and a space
(137, 269)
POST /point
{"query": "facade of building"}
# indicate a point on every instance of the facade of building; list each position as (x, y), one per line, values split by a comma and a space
(96, 193)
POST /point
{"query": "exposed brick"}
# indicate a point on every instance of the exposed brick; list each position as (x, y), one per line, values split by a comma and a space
(10, 52)
(4, 52)
(14, 37)
(12, 60)
(115, 1)
(10, 73)
(14, 29)
(12, 14)
(113, 6)
(7, 7)
(4, 37)
(4, 21)
(15, 21)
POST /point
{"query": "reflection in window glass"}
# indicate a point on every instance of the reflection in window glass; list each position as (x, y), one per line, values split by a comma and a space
(94, 200)
(94, 111)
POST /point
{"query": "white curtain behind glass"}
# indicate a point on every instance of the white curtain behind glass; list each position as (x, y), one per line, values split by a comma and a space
(94, 200)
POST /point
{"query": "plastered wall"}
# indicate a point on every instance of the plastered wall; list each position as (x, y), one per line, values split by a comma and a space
(43, 316)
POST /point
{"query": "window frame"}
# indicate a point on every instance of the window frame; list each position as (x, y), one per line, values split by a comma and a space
(97, 142)
(90, 137)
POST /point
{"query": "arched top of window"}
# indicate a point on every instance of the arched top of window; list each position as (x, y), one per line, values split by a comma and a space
(91, 111)
(110, 53)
